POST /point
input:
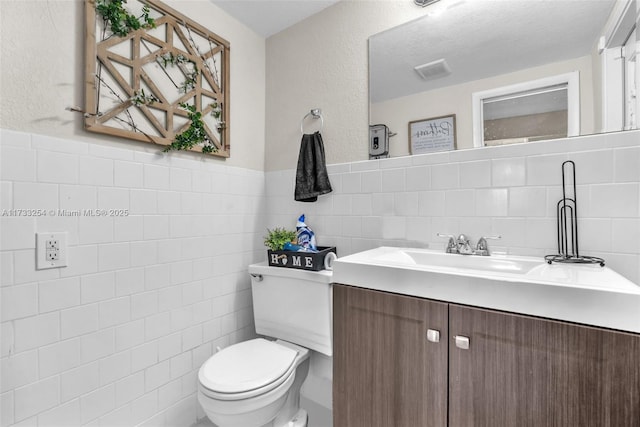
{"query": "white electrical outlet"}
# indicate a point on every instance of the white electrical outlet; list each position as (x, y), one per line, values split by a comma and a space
(51, 250)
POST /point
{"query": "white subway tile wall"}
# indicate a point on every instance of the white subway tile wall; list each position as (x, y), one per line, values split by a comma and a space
(117, 337)
(511, 191)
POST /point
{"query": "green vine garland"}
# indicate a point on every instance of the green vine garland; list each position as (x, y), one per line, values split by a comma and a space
(120, 20)
(194, 135)
(140, 98)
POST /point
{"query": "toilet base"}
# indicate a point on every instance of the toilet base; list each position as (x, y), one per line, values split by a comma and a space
(299, 420)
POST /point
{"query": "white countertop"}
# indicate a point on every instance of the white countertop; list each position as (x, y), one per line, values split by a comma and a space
(587, 294)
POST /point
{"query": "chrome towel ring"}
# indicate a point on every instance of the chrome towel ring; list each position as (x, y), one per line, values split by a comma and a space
(315, 113)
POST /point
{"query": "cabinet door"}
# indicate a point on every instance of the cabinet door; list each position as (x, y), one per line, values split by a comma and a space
(386, 372)
(523, 371)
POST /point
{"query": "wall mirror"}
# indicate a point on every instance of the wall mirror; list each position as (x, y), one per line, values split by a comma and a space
(433, 66)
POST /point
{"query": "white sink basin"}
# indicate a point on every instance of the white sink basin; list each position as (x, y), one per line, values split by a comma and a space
(585, 293)
(427, 258)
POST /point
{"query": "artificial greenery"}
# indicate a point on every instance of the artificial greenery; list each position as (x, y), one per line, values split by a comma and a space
(120, 20)
(277, 237)
(194, 135)
(216, 113)
(170, 59)
(140, 98)
(191, 80)
(216, 110)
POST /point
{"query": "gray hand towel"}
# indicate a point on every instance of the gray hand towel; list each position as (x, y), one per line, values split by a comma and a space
(312, 179)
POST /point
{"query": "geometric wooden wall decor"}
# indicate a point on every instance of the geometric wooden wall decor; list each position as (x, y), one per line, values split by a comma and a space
(149, 84)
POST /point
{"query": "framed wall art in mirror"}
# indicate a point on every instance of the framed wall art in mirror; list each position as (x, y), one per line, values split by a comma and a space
(154, 75)
(432, 135)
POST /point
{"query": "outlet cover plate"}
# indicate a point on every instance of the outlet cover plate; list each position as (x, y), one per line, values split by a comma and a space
(46, 242)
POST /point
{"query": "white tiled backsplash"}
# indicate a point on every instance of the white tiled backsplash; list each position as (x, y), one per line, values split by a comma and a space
(511, 191)
(118, 336)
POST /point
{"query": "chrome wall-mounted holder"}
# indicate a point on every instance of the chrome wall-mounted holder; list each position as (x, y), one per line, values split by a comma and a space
(567, 224)
(315, 113)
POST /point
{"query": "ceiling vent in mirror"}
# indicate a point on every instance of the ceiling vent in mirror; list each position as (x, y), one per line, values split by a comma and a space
(433, 70)
(425, 3)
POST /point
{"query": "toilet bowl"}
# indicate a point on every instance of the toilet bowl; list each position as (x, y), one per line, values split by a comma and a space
(255, 383)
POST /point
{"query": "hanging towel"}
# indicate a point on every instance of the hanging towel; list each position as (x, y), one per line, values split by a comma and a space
(312, 179)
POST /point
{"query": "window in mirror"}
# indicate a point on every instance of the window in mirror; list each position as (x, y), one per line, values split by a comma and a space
(531, 111)
(526, 116)
(630, 51)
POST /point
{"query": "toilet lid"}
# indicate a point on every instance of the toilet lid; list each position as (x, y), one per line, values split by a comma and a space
(246, 366)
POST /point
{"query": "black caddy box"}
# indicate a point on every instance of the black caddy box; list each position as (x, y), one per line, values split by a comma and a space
(312, 261)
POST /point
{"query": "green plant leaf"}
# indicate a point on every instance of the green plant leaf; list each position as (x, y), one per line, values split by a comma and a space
(276, 238)
(194, 135)
(120, 20)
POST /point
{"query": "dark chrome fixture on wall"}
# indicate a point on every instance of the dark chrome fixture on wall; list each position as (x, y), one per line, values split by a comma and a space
(379, 141)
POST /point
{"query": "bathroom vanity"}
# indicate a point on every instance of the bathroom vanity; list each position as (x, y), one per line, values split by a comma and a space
(412, 348)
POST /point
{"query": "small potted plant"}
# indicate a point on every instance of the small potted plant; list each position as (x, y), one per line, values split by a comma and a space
(277, 237)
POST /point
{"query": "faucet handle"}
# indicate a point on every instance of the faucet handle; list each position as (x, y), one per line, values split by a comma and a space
(452, 247)
(482, 247)
(451, 236)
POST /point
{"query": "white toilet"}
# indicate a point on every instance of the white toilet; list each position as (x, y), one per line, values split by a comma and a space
(257, 383)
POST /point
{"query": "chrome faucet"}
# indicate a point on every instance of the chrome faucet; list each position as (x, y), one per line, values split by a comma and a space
(464, 247)
(461, 245)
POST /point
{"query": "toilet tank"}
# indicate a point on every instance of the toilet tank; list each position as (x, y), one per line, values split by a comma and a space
(293, 305)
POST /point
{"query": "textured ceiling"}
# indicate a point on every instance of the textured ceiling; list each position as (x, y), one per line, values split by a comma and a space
(482, 38)
(268, 17)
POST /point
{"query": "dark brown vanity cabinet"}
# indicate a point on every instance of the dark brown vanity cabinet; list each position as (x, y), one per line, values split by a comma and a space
(386, 372)
(517, 370)
(526, 371)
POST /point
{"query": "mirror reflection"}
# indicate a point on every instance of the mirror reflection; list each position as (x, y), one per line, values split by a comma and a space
(527, 116)
(511, 71)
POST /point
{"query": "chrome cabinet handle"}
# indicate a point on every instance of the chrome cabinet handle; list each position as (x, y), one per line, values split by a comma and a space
(462, 342)
(433, 335)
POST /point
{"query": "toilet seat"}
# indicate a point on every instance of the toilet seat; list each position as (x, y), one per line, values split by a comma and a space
(247, 369)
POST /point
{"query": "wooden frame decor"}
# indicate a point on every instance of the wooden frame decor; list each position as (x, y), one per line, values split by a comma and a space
(433, 134)
(154, 75)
